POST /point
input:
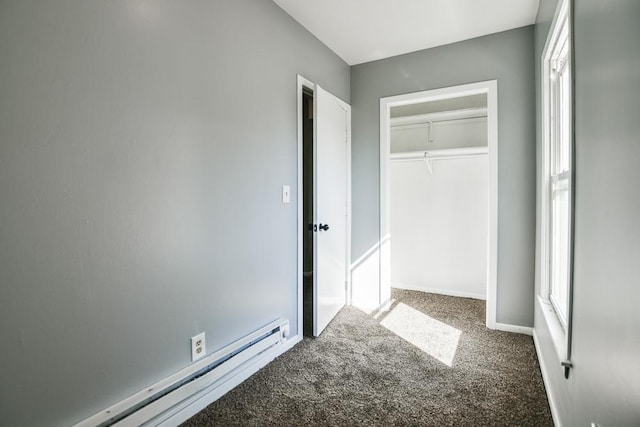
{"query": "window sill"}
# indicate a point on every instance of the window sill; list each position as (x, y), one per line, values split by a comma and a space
(556, 331)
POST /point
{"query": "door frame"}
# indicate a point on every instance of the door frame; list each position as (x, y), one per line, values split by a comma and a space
(490, 88)
(303, 83)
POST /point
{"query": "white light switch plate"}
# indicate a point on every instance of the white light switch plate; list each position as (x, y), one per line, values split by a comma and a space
(286, 194)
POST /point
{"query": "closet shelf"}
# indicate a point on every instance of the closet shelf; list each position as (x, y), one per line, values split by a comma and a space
(451, 153)
(442, 116)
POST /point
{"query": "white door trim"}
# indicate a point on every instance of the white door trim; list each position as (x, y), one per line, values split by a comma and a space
(302, 83)
(491, 89)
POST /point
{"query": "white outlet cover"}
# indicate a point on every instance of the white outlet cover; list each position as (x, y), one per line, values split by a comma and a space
(198, 347)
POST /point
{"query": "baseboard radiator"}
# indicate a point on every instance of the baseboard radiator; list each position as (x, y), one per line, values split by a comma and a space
(153, 405)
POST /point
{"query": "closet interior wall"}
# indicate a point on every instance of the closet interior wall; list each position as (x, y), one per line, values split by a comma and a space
(439, 200)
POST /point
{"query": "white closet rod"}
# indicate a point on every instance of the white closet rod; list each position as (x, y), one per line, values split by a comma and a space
(443, 154)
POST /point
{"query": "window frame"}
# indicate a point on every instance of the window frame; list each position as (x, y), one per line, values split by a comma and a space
(557, 173)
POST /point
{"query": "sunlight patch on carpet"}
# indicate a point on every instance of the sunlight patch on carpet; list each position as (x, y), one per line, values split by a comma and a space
(435, 338)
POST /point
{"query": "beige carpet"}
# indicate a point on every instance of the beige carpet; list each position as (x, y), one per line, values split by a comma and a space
(429, 361)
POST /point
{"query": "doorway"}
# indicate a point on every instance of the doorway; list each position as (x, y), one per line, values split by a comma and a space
(452, 95)
(308, 233)
(324, 206)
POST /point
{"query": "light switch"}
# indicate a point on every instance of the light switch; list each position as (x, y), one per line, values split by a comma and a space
(286, 194)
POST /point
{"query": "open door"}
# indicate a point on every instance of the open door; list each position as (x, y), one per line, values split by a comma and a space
(332, 130)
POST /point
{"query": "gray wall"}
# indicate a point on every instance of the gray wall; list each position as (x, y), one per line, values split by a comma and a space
(506, 57)
(143, 145)
(604, 386)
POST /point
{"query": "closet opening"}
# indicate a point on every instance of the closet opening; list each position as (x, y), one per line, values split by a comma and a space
(439, 196)
(439, 192)
(307, 211)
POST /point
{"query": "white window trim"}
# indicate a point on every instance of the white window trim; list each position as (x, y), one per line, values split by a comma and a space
(559, 329)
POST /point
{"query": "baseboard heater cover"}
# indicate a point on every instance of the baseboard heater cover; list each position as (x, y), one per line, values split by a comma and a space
(158, 398)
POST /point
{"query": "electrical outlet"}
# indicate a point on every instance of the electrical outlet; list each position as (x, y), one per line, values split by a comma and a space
(198, 347)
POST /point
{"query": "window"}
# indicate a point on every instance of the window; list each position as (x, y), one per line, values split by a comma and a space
(557, 167)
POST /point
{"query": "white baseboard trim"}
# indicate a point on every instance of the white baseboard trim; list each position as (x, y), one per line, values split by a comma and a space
(526, 330)
(545, 379)
(199, 401)
(439, 291)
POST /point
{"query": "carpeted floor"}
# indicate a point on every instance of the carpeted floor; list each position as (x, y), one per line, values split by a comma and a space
(447, 370)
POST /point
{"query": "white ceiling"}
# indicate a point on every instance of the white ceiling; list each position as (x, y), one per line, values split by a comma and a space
(366, 30)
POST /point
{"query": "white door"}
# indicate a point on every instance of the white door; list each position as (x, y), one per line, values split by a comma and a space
(332, 119)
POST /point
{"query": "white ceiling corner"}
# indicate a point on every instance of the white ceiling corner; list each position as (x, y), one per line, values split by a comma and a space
(367, 30)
